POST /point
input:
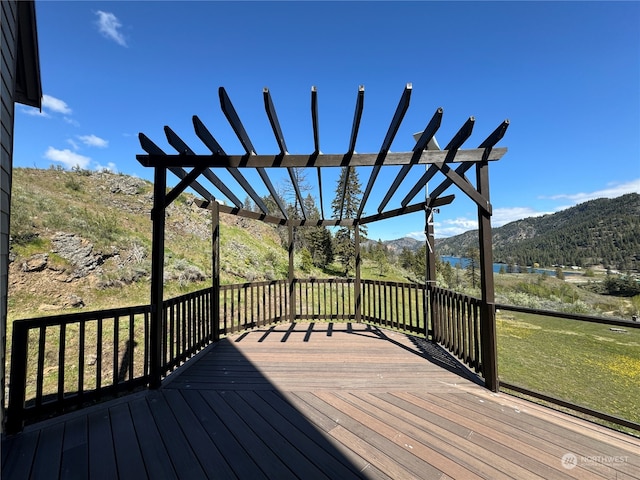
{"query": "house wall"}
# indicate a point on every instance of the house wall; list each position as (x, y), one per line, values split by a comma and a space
(9, 42)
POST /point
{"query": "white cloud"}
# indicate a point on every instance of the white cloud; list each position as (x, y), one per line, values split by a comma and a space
(34, 112)
(68, 158)
(109, 25)
(111, 167)
(93, 141)
(73, 144)
(51, 105)
(55, 105)
(456, 226)
(612, 191)
(71, 121)
(502, 216)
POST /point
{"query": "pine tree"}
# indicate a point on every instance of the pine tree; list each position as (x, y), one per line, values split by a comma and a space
(344, 243)
(380, 257)
(316, 239)
(473, 268)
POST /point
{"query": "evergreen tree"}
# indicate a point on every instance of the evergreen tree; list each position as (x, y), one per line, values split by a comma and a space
(473, 268)
(316, 239)
(344, 243)
(420, 262)
(407, 258)
(379, 255)
(248, 204)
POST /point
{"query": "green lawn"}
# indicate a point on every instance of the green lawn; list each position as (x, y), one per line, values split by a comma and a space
(585, 363)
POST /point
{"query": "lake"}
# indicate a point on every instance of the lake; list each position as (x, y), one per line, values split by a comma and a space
(464, 262)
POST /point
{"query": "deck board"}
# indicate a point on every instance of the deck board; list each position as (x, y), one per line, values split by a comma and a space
(320, 400)
(102, 456)
(49, 455)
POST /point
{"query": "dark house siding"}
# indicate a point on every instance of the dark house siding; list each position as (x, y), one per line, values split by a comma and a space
(20, 82)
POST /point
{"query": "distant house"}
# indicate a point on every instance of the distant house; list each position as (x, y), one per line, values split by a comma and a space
(20, 71)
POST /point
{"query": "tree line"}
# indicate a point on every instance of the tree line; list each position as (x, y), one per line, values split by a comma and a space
(318, 245)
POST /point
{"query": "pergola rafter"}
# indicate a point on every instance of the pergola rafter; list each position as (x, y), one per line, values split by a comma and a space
(211, 143)
(401, 109)
(425, 152)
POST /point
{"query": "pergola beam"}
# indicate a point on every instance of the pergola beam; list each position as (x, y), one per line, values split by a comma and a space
(316, 141)
(355, 127)
(401, 109)
(487, 144)
(409, 209)
(452, 150)
(151, 148)
(239, 212)
(427, 134)
(210, 142)
(182, 148)
(234, 120)
(427, 157)
(277, 132)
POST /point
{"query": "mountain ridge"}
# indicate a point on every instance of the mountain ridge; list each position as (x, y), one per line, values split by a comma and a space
(601, 232)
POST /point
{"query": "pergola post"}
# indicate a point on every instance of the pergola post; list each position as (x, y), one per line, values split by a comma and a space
(357, 285)
(291, 278)
(430, 278)
(215, 271)
(157, 276)
(487, 308)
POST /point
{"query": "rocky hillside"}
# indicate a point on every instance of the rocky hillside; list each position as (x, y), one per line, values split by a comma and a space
(81, 238)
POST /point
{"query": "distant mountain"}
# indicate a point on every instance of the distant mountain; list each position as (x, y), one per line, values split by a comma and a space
(395, 246)
(598, 232)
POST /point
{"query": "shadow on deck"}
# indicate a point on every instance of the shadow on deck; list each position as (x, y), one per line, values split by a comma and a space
(323, 400)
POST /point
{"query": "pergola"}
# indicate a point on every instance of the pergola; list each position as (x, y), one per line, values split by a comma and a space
(453, 162)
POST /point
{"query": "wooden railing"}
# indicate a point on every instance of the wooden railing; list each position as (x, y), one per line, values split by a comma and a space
(64, 361)
(250, 305)
(324, 299)
(188, 327)
(399, 306)
(456, 325)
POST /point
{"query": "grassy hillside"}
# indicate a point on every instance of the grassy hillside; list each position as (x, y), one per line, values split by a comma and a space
(83, 239)
(104, 218)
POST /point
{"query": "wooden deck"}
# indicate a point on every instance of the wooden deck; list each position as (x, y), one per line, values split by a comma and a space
(314, 401)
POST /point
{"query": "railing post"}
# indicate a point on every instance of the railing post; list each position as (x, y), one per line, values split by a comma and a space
(18, 379)
(215, 268)
(292, 290)
(157, 274)
(430, 274)
(356, 287)
(487, 308)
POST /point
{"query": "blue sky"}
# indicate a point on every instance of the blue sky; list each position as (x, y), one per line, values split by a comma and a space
(565, 74)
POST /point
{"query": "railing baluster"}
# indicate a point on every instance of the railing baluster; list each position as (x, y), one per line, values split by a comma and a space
(174, 334)
(132, 346)
(116, 353)
(145, 357)
(40, 370)
(81, 342)
(61, 361)
(99, 354)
